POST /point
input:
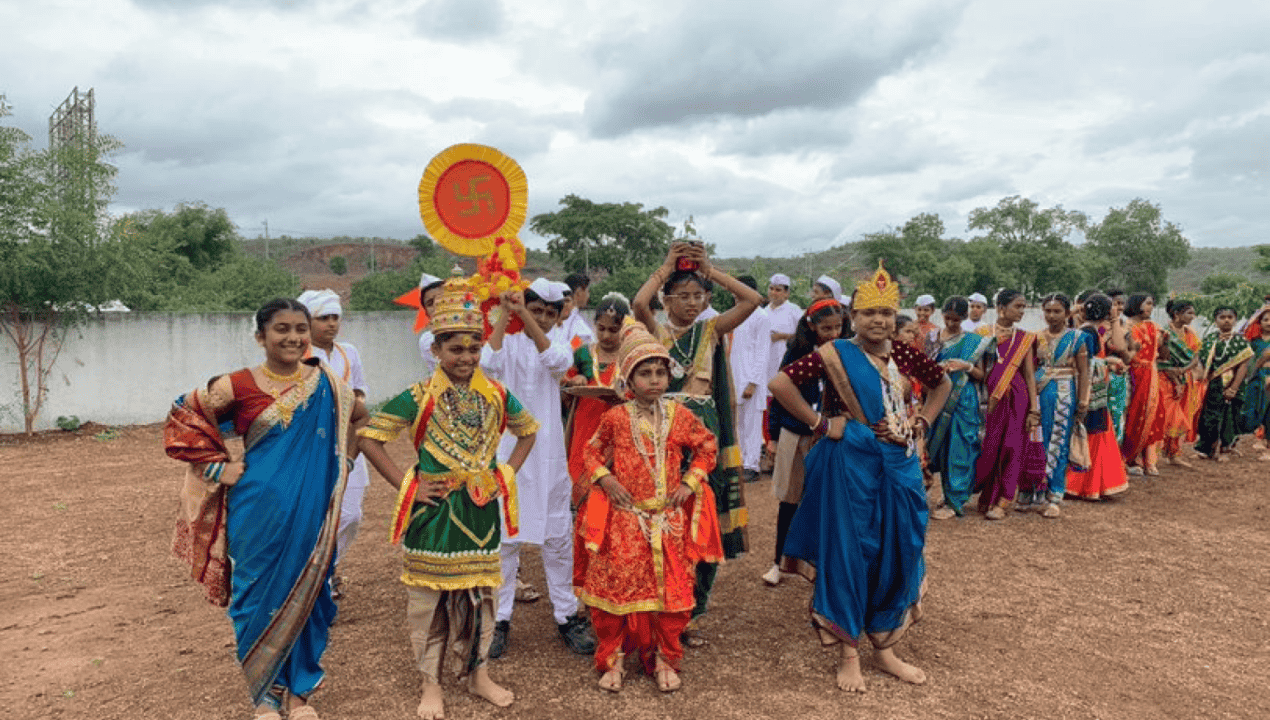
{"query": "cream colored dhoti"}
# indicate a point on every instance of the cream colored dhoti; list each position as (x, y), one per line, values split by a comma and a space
(461, 620)
(787, 468)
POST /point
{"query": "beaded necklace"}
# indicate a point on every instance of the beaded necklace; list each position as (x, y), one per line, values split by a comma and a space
(894, 406)
(657, 430)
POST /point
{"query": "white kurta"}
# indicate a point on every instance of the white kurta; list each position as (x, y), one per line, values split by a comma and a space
(542, 485)
(784, 319)
(425, 352)
(346, 363)
(748, 361)
(574, 326)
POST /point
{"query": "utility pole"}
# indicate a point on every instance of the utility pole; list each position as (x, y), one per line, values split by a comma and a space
(266, 224)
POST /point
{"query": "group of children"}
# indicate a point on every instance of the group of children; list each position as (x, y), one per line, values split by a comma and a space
(622, 487)
(632, 486)
(1096, 396)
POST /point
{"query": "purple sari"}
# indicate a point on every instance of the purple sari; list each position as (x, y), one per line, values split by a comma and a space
(1010, 459)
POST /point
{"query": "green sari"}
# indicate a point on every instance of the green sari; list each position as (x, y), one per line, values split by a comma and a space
(699, 381)
(1219, 418)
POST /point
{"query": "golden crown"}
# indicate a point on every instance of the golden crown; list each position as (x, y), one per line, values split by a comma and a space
(878, 291)
(457, 309)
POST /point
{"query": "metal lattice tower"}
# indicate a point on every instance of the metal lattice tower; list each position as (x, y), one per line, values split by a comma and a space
(73, 123)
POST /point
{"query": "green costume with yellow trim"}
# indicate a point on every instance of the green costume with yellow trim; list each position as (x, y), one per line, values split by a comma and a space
(453, 544)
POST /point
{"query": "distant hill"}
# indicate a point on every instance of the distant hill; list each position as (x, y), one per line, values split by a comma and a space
(847, 260)
(1206, 261)
(309, 258)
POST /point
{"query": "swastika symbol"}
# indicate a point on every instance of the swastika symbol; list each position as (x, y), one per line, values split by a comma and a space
(474, 197)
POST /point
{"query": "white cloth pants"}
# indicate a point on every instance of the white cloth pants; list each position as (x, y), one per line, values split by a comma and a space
(749, 430)
(351, 507)
(557, 561)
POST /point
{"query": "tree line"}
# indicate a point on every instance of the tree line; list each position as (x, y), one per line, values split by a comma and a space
(62, 256)
(1016, 244)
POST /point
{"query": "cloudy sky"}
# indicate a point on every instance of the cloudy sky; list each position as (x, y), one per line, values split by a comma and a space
(781, 127)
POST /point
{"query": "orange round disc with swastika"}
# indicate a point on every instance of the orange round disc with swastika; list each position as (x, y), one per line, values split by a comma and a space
(470, 195)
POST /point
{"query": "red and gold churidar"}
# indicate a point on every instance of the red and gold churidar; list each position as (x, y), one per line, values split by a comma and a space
(642, 559)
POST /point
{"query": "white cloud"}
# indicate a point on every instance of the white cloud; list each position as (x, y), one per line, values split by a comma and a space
(779, 128)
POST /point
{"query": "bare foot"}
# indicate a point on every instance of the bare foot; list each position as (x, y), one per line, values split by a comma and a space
(480, 685)
(850, 679)
(431, 707)
(611, 680)
(1265, 457)
(1179, 462)
(900, 669)
(1221, 458)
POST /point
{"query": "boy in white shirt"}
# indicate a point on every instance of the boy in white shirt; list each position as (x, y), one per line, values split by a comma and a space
(530, 365)
(429, 289)
(747, 356)
(572, 327)
(344, 360)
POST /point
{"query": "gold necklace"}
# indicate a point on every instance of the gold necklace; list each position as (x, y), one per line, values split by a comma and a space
(296, 376)
(286, 406)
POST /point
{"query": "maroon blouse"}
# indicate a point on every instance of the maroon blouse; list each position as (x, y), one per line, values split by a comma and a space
(908, 360)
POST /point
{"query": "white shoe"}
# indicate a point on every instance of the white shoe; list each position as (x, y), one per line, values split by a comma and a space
(773, 577)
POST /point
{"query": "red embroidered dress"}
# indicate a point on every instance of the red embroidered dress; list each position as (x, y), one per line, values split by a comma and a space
(643, 560)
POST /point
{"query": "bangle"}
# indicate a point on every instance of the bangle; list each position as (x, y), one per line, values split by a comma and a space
(212, 472)
(349, 463)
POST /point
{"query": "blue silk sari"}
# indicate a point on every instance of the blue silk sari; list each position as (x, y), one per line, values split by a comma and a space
(1056, 390)
(954, 440)
(862, 522)
(283, 515)
(1256, 409)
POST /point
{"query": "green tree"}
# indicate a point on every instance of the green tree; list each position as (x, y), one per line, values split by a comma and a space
(243, 283)
(1220, 282)
(1035, 252)
(1140, 245)
(190, 260)
(205, 236)
(339, 265)
(377, 291)
(611, 236)
(1264, 264)
(424, 245)
(626, 281)
(57, 262)
(910, 253)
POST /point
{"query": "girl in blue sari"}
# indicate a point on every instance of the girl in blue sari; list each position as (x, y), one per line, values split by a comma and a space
(1256, 408)
(954, 438)
(260, 532)
(860, 532)
(1062, 376)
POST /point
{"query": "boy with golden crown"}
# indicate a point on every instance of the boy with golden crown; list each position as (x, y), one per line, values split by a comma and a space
(646, 522)
(447, 513)
(860, 531)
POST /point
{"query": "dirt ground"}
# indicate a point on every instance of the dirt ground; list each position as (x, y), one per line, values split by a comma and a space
(1152, 606)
